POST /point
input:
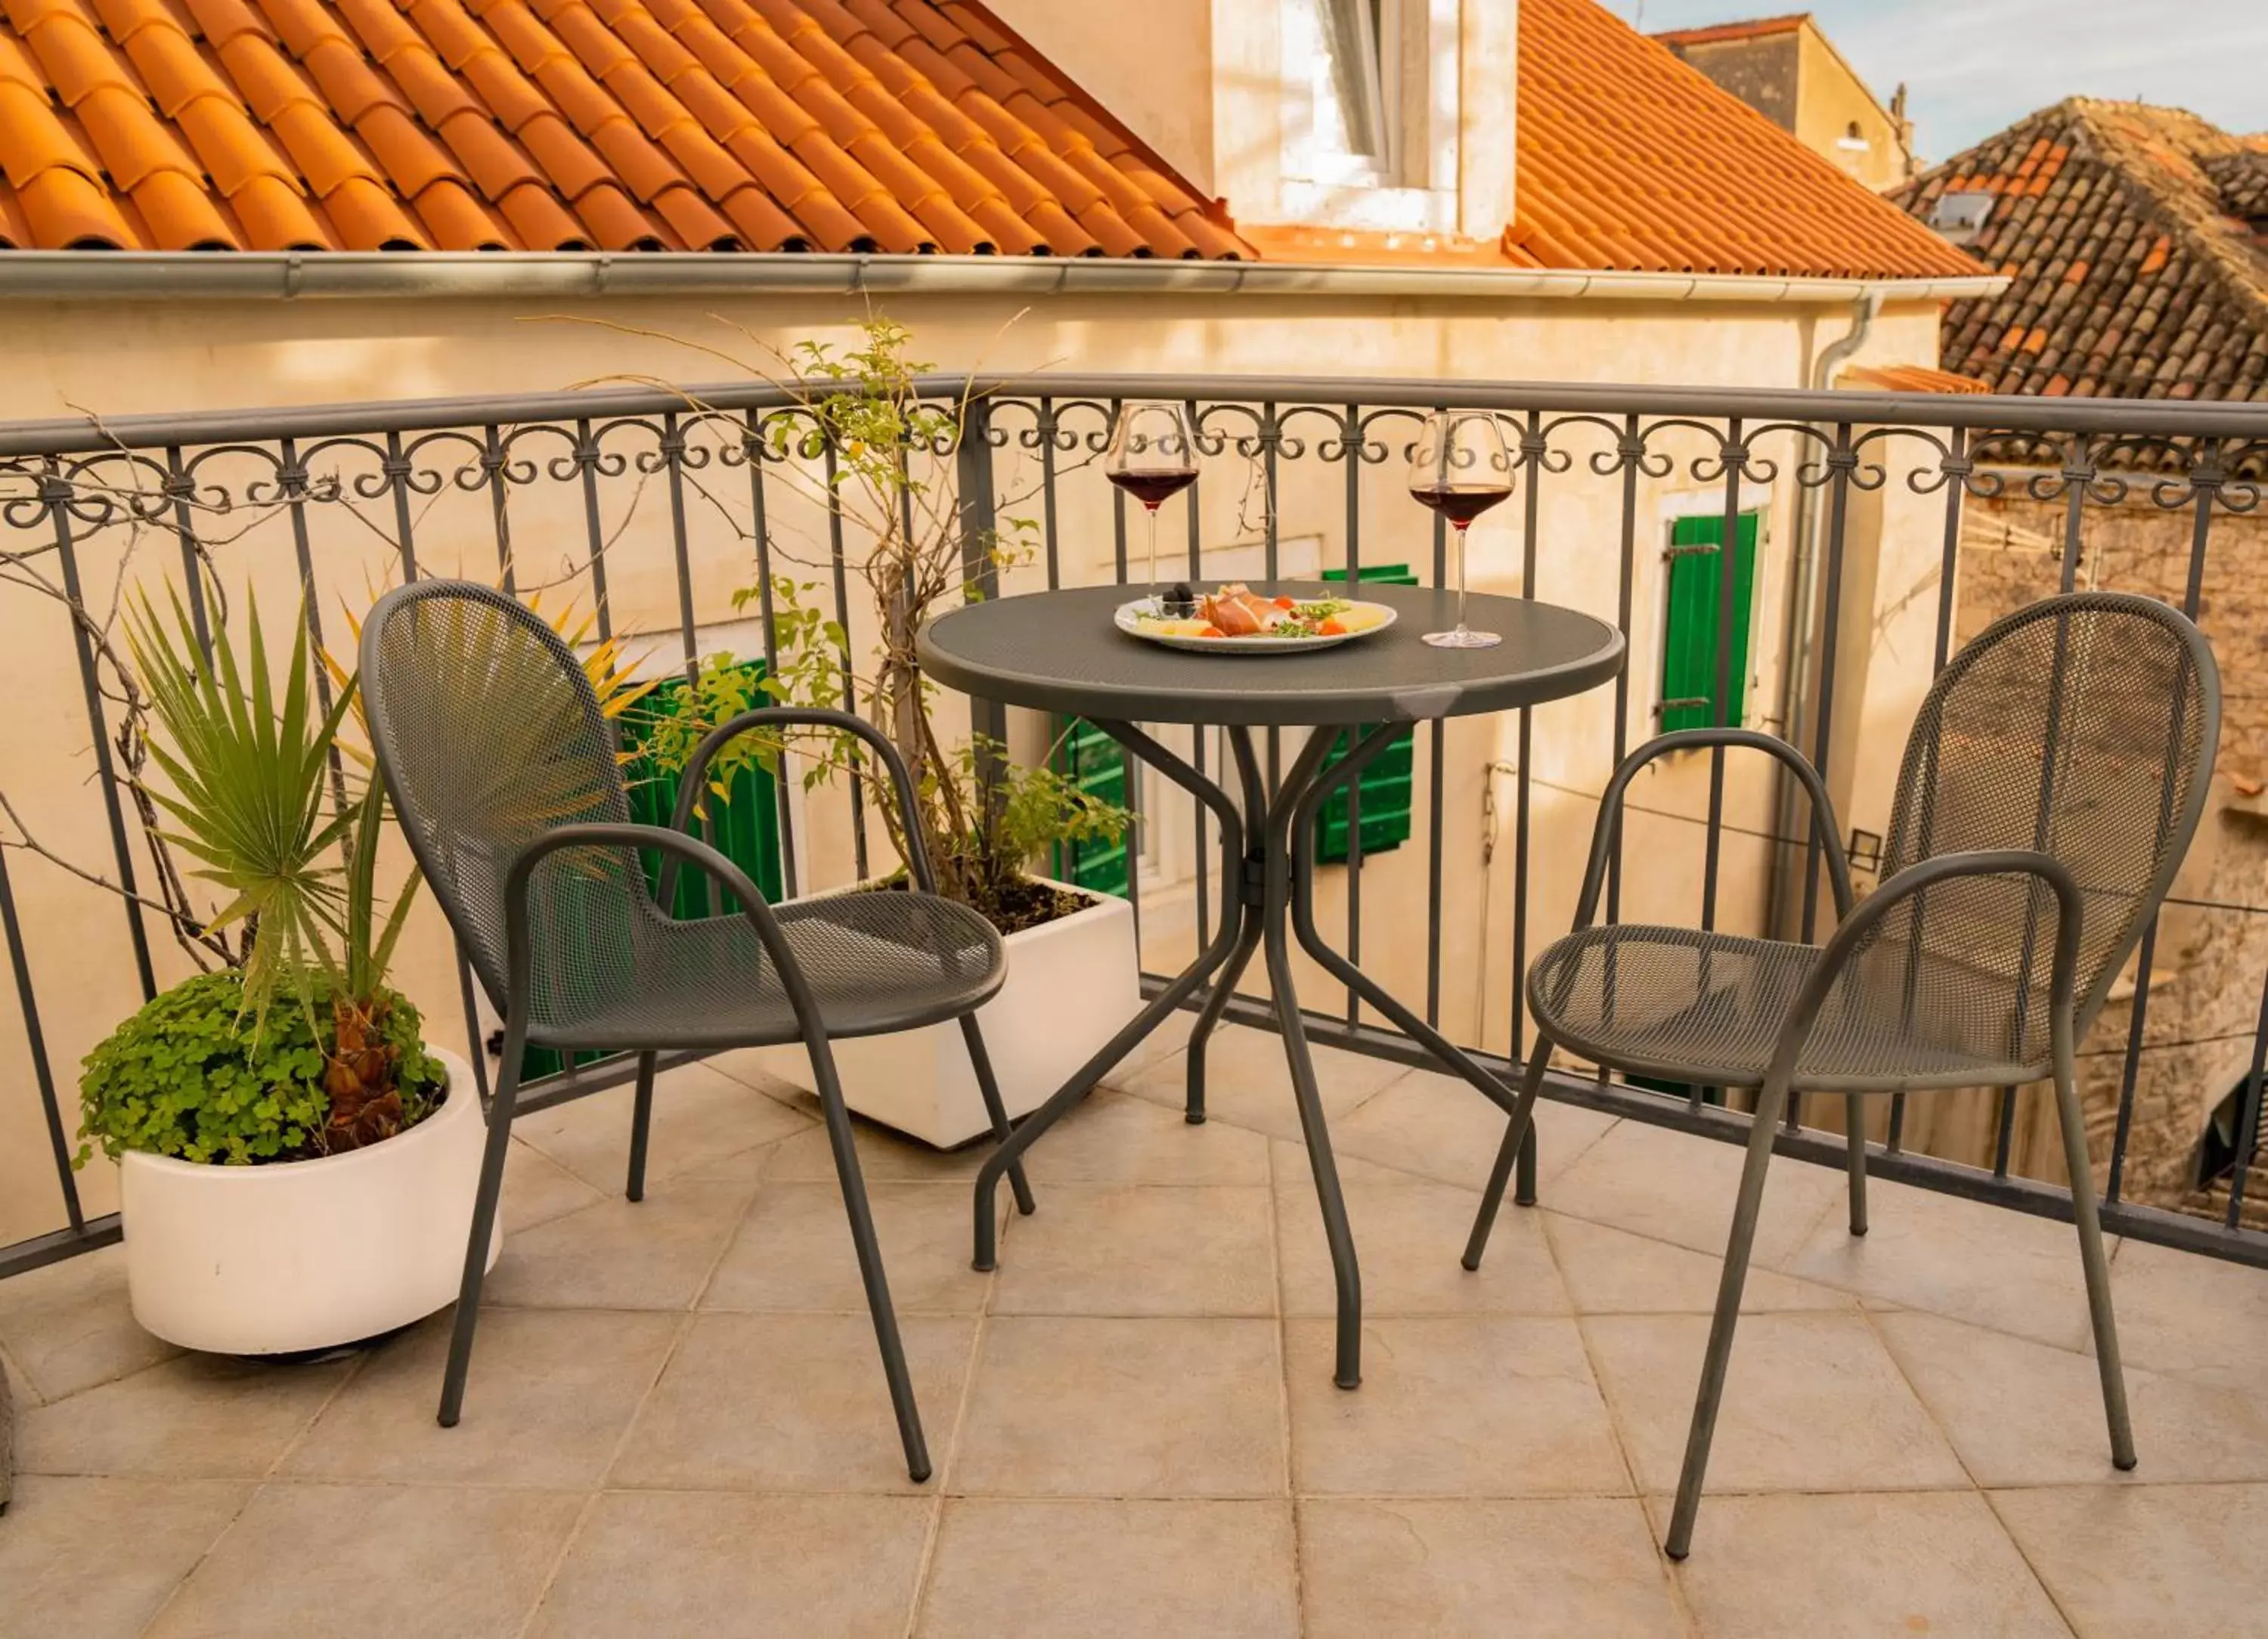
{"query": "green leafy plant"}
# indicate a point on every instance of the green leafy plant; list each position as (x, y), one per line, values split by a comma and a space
(184, 1077)
(981, 819)
(255, 798)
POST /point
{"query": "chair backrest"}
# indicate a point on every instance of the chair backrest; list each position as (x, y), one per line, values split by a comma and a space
(489, 735)
(2082, 727)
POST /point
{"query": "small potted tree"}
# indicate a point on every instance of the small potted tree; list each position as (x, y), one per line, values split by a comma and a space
(1074, 974)
(298, 1164)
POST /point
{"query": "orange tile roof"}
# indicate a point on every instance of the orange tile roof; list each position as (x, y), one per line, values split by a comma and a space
(769, 125)
(1629, 158)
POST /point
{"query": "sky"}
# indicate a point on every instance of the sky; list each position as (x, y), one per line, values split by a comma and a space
(1972, 67)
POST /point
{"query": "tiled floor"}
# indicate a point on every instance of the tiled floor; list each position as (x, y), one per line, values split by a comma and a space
(677, 1426)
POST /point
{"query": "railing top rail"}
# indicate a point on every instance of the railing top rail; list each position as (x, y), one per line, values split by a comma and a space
(2131, 417)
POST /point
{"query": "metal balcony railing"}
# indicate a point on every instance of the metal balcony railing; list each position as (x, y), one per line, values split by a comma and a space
(1855, 523)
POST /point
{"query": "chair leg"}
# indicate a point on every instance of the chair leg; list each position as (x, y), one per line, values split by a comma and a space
(870, 1260)
(2098, 1270)
(1519, 1137)
(995, 1106)
(641, 1119)
(1762, 1126)
(483, 1226)
(1854, 1118)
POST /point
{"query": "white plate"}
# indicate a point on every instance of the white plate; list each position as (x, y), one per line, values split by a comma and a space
(1128, 620)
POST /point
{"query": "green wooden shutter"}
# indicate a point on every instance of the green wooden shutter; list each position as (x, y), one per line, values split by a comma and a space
(1098, 763)
(743, 825)
(1387, 784)
(1688, 641)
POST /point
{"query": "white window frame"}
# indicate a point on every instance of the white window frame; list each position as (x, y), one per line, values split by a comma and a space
(1413, 185)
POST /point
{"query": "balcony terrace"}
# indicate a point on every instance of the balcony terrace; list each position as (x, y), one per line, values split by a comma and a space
(674, 1425)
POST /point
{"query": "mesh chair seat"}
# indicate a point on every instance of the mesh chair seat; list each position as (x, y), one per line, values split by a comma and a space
(876, 962)
(1707, 1008)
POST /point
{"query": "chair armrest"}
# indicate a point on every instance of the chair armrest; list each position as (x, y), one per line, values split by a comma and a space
(902, 782)
(1835, 957)
(520, 955)
(1610, 808)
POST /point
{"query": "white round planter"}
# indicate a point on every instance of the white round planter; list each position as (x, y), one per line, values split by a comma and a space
(306, 1255)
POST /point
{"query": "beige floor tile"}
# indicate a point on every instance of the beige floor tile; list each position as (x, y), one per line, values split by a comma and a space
(537, 1189)
(1114, 1138)
(2149, 1562)
(670, 1563)
(195, 1417)
(1569, 1568)
(1472, 1406)
(2181, 1312)
(1679, 1187)
(746, 1066)
(617, 1253)
(94, 1559)
(1078, 1407)
(793, 1250)
(792, 1402)
(1408, 1238)
(2021, 1412)
(700, 1116)
(372, 1558)
(1926, 1250)
(1610, 1271)
(1171, 1037)
(549, 1394)
(1900, 1564)
(884, 1156)
(1141, 1249)
(68, 1325)
(1137, 1569)
(1295, 1174)
(1442, 1126)
(1248, 1081)
(1813, 1402)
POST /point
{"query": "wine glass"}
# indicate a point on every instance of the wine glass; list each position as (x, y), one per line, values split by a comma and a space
(1460, 467)
(1151, 456)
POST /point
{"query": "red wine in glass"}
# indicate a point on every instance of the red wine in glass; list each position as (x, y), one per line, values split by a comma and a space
(1461, 503)
(1152, 487)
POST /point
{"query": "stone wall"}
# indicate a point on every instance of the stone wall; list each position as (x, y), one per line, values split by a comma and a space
(2205, 981)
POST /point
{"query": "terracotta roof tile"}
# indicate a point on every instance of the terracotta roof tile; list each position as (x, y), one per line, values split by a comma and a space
(2132, 274)
(456, 220)
(272, 217)
(366, 215)
(64, 211)
(1630, 158)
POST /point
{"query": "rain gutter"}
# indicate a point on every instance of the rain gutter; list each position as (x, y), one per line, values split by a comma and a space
(240, 275)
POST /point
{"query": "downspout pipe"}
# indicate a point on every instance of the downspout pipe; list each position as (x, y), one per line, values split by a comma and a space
(1795, 688)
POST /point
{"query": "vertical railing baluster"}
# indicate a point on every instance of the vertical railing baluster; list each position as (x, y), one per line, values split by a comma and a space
(56, 491)
(397, 484)
(293, 477)
(759, 528)
(499, 507)
(1955, 467)
(1197, 732)
(1354, 463)
(179, 486)
(977, 518)
(1437, 748)
(839, 570)
(1728, 559)
(35, 1041)
(1046, 434)
(1271, 435)
(1631, 450)
(1533, 448)
(1841, 463)
(2204, 482)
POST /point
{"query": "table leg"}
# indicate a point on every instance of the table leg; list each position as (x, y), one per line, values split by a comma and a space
(1250, 889)
(1279, 847)
(1083, 1082)
(1311, 940)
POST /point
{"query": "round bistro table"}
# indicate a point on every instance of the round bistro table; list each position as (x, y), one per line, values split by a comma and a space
(1058, 652)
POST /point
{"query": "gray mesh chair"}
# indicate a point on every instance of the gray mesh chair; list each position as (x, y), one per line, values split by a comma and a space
(2054, 777)
(504, 771)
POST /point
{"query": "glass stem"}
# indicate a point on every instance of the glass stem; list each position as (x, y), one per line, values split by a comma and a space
(1155, 591)
(1461, 578)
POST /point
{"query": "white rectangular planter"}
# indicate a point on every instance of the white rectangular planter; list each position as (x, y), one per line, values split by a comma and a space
(1071, 985)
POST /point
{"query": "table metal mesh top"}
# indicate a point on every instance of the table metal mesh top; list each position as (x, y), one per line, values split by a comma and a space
(1059, 651)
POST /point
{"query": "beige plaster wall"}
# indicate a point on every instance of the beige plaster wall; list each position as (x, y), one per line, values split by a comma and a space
(127, 358)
